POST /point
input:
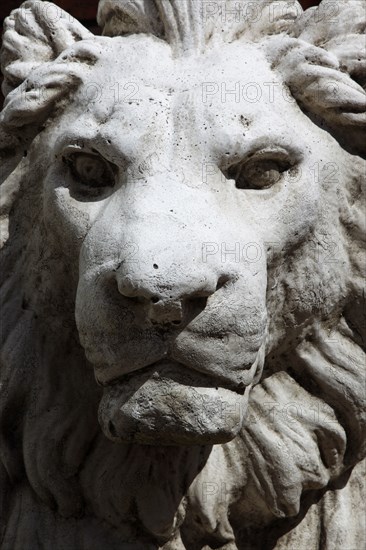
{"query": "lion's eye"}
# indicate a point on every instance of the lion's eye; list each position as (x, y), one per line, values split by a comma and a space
(91, 171)
(258, 174)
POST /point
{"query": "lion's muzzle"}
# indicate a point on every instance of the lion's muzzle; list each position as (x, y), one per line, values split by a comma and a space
(176, 329)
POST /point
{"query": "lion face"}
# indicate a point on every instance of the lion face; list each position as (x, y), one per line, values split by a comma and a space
(175, 207)
(171, 233)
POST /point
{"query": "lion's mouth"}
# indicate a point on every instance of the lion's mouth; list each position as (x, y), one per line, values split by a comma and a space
(193, 376)
(170, 404)
(186, 375)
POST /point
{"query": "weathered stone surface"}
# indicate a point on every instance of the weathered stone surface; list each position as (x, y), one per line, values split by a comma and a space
(183, 301)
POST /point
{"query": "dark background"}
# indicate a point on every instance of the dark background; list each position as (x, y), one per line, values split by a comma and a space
(85, 11)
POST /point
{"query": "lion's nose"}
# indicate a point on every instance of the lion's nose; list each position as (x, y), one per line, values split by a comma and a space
(169, 303)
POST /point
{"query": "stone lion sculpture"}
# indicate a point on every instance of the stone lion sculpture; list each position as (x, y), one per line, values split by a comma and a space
(183, 301)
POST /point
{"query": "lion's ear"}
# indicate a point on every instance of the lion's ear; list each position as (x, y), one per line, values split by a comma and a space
(326, 69)
(339, 28)
(34, 34)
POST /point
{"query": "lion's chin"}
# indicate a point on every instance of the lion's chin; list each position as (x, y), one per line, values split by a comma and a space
(169, 406)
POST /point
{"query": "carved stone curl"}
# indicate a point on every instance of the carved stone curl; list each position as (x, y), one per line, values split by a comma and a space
(182, 233)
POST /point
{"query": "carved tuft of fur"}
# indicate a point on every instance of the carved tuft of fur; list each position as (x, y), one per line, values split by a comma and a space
(34, 34)
(191, 25)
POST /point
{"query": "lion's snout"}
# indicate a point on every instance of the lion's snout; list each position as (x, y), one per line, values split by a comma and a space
(169, 286)
(167, 292)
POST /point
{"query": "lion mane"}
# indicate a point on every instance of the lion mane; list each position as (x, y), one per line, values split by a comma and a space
(298, 481)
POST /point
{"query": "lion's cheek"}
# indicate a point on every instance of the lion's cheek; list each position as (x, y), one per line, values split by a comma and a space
(228, 358)
(68, 221)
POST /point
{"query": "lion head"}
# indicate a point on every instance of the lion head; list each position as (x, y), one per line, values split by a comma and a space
(182, 209)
